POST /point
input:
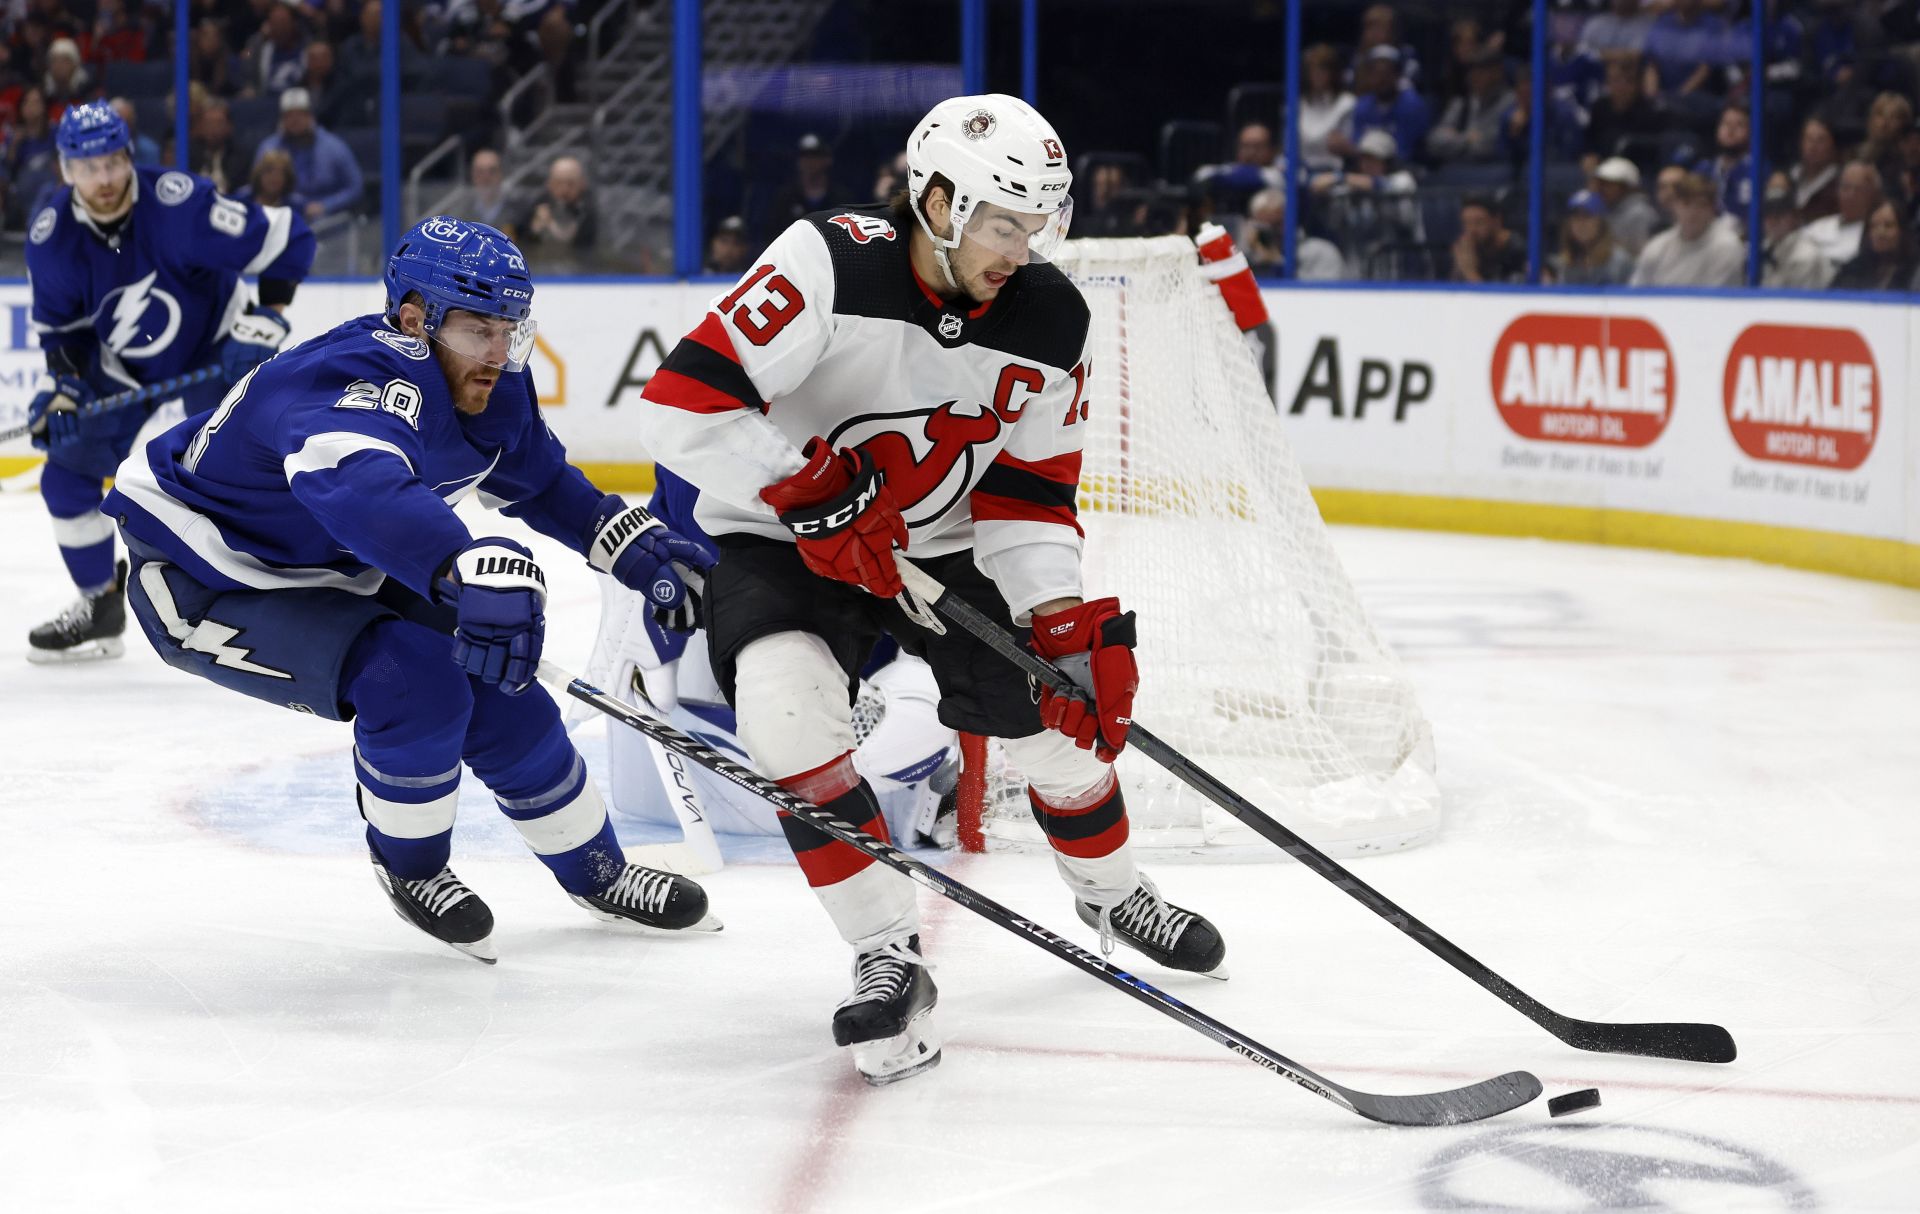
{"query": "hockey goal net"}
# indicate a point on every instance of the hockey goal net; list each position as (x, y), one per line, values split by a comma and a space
(1256, 659)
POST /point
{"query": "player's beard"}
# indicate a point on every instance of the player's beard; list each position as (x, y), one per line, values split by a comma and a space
(116, 202)
(469, 382)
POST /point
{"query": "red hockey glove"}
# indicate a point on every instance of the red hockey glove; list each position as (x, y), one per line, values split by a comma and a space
(842, 518)
(1093, 645)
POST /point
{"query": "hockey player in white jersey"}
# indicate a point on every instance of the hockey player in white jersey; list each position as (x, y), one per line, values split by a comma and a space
(913, 376)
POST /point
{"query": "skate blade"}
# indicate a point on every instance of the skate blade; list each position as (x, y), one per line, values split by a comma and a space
(481, 950)
(86, 651)
(708, 925)
(891, 1059)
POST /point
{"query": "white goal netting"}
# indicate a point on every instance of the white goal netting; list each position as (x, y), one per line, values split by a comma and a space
(1255, 657)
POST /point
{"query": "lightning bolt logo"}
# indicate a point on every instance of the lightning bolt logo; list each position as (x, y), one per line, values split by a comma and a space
(213, 638)
(130, 309)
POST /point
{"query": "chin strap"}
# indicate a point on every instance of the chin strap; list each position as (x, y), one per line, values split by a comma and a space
(940, 246)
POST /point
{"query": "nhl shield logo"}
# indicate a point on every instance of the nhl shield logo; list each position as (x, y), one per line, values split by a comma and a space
(950, 325)
(979, 124)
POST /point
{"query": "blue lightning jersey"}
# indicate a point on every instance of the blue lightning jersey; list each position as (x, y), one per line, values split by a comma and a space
(154, 294)
(337, 464)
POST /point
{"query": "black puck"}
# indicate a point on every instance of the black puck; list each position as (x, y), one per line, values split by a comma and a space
(1573, 1102)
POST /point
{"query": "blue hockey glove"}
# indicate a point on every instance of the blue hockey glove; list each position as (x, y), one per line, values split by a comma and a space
(254, 338)
(53, 414)
(499, 596)
(642, 554)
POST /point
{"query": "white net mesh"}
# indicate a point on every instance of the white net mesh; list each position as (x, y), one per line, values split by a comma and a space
(1255, 658)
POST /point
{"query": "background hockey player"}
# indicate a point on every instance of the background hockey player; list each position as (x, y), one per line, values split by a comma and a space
(299, 546)
(137, 277)
(909, 757)
(912, 375)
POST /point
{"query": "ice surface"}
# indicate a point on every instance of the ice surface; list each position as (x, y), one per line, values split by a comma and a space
(1677, 789)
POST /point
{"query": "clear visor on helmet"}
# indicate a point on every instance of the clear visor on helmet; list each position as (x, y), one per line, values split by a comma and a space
(1016, 235)
(491, 341)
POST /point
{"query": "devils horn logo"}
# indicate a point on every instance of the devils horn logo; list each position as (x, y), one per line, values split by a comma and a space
(930, 456)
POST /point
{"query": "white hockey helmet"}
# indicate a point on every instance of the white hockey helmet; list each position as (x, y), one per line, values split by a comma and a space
(994, 149)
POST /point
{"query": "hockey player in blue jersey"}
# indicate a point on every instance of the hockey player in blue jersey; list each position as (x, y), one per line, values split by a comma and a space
(299, 545)
(137, 277)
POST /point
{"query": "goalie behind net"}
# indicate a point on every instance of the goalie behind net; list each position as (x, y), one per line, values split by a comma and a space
(1255, 658)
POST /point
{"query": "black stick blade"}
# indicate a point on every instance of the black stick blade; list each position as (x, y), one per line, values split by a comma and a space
(1476, 1102)
(1686, 1042)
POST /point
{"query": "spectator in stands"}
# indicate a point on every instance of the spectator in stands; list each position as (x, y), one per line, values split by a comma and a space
(892, 175)
(115, 36)
(1621, 29)
(322, 162)
(1664, 195)
(1383, 105)
(1109, 210)
(274, 183)
(1469, 128)
(1564, 124)
(554, 35)
(1485, 250)
(1623, 112)
(1326, 111)
(1788, 258)
(809, 189)
(1263, 239)
(29, 149)
(1816, 179)
(1686, 46)
(478, 29)
(211, 150)
(1887, 123)
(1730, 168)
(562, 221)
(1631, 219)
(1888, 257)
(484, 197)
(1695, 251)
(338, 102)
(1588, 254)
(728, 252)
(1837, 236)
(1373, 207)
(145, 150)
(1380, 27)
(210, 62)
(359, 55)
(276, 59)
(67, 79)
(1254, 167)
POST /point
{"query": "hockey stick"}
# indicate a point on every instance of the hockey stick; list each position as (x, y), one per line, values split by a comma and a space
(1690, 1042)
(1474, 1103)
(132, 396)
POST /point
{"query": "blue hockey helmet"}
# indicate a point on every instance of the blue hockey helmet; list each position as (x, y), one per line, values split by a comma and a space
(90, 130)
(457, 264)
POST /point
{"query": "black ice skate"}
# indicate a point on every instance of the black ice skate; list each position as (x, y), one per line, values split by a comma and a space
(444, 908)
(888, 1020)
(653, 898)
(1176, 938)
(88, 630)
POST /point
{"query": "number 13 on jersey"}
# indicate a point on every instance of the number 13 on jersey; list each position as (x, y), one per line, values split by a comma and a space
(762, 305)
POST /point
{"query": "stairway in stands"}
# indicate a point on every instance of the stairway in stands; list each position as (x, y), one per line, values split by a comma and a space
(622, 125)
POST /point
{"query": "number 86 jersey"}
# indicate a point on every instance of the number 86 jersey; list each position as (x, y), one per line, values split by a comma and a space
(974, 412)
(155, 292)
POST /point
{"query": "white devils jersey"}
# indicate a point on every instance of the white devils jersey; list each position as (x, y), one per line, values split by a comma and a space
(974, 412)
